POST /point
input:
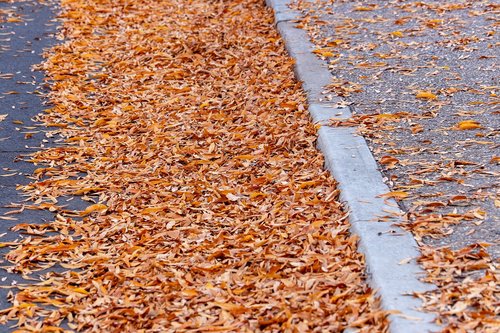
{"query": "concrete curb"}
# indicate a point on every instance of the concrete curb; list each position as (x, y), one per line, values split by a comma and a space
(387, 248)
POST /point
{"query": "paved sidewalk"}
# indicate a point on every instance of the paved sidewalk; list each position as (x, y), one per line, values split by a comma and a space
(384, 55)
(420, 80)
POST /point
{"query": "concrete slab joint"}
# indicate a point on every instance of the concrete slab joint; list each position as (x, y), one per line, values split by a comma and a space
(351, 163)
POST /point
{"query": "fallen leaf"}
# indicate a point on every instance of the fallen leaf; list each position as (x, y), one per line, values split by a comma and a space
(468, 125)
(397, 33)
(426, 95)
(395, 195)
(324, 53)
(94, 208)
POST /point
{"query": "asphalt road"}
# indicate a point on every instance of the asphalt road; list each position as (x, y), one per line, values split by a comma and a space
(26, 28)
(384, 53)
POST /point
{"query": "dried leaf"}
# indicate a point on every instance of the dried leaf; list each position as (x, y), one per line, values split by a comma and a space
(395, 195)
(94, 208)
(426, 95)
(324, 53)
(397, 33)
(468, 125)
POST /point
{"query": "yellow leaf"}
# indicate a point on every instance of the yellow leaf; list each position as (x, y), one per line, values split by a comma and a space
(468, 125)
(245, 157)
(433, 23)
(77, 138)
(395, 195)
(86, 190)
(100, 122)
(80, 291)
(150, 210)
(365, 9)
(480, 214)
(309, 184)
(58, 248)
(317, 224)
(88, 55)
(190, 292)
(25, 305)
(426, 95)
(14, 19)
(397, 33)
(324, 53)
(94, 208)
(8, 244)
(257, 194)
(336, 42)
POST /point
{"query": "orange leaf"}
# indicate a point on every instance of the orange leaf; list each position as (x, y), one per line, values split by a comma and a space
(426, 95)
(86, 190)
(190, 292)
(388, 160)
(309, 184)
(468, 125)
(365, 9)
(257, 194)
(395, 195)
(324, 53)
(94, 208)
(397, 33)
(150, 210)
(235, 309)
(14, 19)
(80, 291)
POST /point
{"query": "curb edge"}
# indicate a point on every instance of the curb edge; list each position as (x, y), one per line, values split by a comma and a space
(351, 163)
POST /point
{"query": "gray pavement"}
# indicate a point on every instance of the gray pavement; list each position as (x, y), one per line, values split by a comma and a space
(413, 76)
(393, 50)
(351, 163)
(21, 46)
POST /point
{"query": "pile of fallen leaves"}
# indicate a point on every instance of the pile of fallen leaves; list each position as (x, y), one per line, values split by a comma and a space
(208, 207)
(468, 288)
(425, 130)
(9, 15)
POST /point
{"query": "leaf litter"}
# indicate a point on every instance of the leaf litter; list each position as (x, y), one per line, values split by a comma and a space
(450, 115)
(181, 124)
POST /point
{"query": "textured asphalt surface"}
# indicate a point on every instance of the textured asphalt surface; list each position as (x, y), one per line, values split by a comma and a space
(21, 46)
(392, 50)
